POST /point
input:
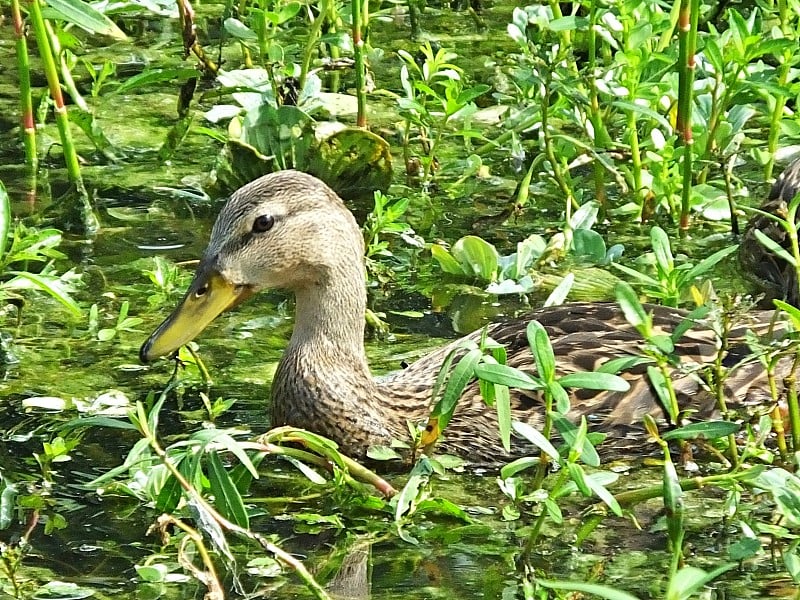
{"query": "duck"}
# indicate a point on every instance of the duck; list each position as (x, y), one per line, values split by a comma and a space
(288, 230)
(776, 278)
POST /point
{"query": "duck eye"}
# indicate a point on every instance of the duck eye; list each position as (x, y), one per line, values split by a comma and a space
(263, 223)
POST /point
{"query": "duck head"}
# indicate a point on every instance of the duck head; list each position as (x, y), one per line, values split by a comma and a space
(285, 230)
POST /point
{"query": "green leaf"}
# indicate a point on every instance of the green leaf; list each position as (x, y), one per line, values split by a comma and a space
(542, 351)
(595, 381)
(85, 16)
(643, 110)
(508, 376)
(603, 591)
(477, 257)
(446, 261)
(578, 477)
(503, 403)
(708, 430)
(50, 285)
(5, 220)
(632, 308)
(169, 496)
(636, 275)
(623, 363)
(773, 246)
(588, 246)
(661, 250)
(689, 580)
(154, 573)
(535, 437)
(382, 453)
(227, 498)
(521, 464)
(570, 434)
(791, 311)
(689, 321)
(569, 23)
(463, 372)
(306, 470)
(585, 217)
(560, 396)
(239, 30)
(707, 263)
(8, 506)
(601, 492)
(413, 491)
(659, 385)
(559, 294)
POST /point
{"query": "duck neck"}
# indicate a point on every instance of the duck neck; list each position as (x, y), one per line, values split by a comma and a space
(329, 323)
(323, 382)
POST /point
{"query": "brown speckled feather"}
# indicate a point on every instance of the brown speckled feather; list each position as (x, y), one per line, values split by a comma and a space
(289, 230)
(772, 273)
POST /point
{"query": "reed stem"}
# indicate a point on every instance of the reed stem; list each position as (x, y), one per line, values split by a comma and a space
(687, 31)
(360, 16)
(27, 122)
(62, 116)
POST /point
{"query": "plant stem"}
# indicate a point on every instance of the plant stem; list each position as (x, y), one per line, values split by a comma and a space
(62, 117)
(280, 554)
(359, 20)
(600, 134)
(687, 27)
(27, 122)
(313, 36)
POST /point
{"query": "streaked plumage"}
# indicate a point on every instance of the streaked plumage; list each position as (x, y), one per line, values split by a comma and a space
(776, 277)
(289, 230)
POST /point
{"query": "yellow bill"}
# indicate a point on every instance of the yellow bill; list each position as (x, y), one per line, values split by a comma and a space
(209, 295)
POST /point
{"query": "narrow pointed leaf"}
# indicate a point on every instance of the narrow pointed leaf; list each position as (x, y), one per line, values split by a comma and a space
(85, 16)
(227, 498)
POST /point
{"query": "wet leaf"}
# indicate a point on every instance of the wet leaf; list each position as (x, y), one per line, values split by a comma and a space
(5, 220)
(62, 590)
(508, 376)
(708, 430)
(594, 381)
(602, 591)
(503, 403)
(84, 15)
(446, 260)
(477, 257)
(542, 351)
(535, 437)
(227, 498)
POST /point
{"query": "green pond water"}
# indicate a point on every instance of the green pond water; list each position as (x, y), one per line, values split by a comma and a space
(145, 210)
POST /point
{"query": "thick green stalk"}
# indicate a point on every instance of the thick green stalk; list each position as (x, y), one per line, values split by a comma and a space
(66, 74)
(687, 27)
(27, 122)
(601, 137)
(314, 33)
(359, 18)
(780, 99)
(62, 117)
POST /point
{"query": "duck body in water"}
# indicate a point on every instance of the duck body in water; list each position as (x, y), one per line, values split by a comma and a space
(289, 230)
(776, 277)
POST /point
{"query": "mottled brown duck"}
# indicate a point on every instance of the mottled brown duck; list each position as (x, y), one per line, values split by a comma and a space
(289, 230)
(776, 277)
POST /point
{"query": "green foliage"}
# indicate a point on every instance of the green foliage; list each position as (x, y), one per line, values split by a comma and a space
(436, 96)
(123, 323)
(27, 258)
(671, 283)
(580, 247)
